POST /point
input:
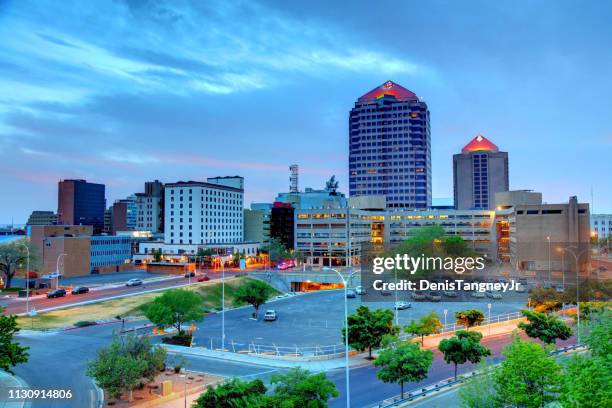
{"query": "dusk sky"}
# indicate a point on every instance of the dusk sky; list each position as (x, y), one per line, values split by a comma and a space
(121, 92)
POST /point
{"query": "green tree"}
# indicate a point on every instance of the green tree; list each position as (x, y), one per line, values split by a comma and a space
(276, 250)
(11, 352)
(13, 256)
(456, 246)
(469, 318)
(406, 363)
(175, 307)
(545, 300)
(254, 292)
(463, 347)
(587, 382)
(598, 335)
(425, 326)
(300, 388)
(479, 391)
(140, 348)
(366, 329)
(234, 393)
(547, 328)
(157, 255)
(528, 377)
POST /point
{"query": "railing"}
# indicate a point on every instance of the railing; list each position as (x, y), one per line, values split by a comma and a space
(430, 389)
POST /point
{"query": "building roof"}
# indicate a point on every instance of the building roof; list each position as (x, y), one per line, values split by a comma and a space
(389, 88)
(203, 184)
(480, 143)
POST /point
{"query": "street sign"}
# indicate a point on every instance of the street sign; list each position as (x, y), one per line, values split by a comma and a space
(242, 264)
(32, 312)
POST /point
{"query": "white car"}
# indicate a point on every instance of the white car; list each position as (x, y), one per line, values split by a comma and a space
(401, 305)
(53, 275)
(477, 294)
(493, 294)
(133, 282)
(270, 315)
(360, 290)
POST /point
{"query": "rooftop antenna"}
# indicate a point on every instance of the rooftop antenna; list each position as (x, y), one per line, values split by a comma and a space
(293, 179)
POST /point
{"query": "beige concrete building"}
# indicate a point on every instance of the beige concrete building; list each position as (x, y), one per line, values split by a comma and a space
(51, 241)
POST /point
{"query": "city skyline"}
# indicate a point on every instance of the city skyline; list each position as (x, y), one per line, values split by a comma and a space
(138, 92)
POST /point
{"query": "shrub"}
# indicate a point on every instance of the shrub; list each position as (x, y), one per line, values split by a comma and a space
(84, 323)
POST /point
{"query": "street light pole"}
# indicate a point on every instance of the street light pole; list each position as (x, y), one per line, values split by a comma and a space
(57, 270)
(27, 277)
(223, 304)
(346, 335)
(549, 263)
(576, 258)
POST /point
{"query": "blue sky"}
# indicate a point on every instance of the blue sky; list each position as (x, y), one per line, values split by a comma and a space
(121, 92)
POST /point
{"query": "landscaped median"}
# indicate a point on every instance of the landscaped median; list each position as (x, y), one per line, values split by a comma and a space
(131, 306)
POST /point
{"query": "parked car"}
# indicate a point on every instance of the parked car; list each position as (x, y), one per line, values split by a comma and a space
(433, 296)
(559, 289)
(523, 281)
(190, 274)
(401, 305)
(203, 278)
(521, 289)
(418, 295)
(285, 265)
(360, 290)
(477, 294)
(56, 293)
(493, 294)
(80, 289)
(351, 293)
(52, 275)
(449, 293)
(270, 315)
(133, 282)
(385, 293)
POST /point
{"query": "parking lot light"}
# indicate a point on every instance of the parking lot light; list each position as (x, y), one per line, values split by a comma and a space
(346, 334)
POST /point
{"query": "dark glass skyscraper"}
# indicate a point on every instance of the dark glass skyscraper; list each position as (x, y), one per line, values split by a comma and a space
(81, 203)
(390, 147)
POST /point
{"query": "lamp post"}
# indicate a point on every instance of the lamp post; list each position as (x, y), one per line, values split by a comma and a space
(569, 249)
(57, 272)
(562, 266)
(549, 263)
(396, 308)
(489, 307)
(27, 277)
(223, 304)
(346, 335)
(445, 313)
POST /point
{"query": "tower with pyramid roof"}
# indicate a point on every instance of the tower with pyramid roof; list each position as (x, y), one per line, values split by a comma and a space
(479, 171)
(390, 147)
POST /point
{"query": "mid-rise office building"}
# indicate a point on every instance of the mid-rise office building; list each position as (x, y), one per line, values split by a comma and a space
(390, 147)
(123, 215)
(42, 218)
(208, 212)
(601, 226)
(479, 171)
(150, 208)
(257, 223)
(81, 203)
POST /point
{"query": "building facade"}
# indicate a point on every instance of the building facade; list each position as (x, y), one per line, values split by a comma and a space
(150, 208)
(257, 223)
(42, 218)
(123, 215)
(601, 226)
(208, 212)
(390, 147)
(81, 203)
(479, 171)
(107, 251)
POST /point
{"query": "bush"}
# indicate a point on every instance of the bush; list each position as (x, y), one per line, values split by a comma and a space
(84, 323)
(181, 339)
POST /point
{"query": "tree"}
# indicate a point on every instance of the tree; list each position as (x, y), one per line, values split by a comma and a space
(586, 383)
(463, 347)
(547, 328)
(545, 300)
(366, 329)
(427, 325)
(157, 255)
(175, 307)
(254, 292)
(528, 377)
(276, 250)
(121, 366)
(140, 348)
(469, 318)
(11, 353)
(233, 393)
(406, 363)
(456, 246)
(300, 388)
(14, 255)
(478, 391)
(598, 335)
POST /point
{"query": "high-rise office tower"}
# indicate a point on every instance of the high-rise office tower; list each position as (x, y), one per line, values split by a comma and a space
(479, 171)
(390, 147)
(81, 203)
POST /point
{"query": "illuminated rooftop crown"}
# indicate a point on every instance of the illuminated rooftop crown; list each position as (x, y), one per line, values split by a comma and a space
(390, 88)
(480, 143)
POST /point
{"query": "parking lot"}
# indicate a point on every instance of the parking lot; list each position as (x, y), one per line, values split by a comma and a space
(315, 319)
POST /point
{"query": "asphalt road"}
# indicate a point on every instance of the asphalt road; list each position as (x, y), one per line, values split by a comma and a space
(367, 390)
(14, 305)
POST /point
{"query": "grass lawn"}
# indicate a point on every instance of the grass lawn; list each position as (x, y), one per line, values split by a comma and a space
(131, 306)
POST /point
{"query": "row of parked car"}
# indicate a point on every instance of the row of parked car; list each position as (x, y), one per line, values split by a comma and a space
(62, 292)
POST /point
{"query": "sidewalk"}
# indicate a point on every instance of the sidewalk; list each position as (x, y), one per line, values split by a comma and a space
(9, 381)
